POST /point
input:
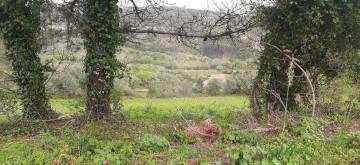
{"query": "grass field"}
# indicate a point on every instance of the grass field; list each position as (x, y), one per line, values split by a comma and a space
(166, 109)
(222, 102)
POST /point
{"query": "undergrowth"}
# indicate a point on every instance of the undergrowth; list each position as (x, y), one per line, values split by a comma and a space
(153, 133)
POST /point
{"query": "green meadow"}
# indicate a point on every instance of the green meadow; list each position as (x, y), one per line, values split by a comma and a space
(218, 108)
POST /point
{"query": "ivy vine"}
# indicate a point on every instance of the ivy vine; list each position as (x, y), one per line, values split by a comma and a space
(322, 35)
(102, 39)
(20, 27)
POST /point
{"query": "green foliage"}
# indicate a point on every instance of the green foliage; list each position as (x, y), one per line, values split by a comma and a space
(322, 35)
(8, 105)
(241, 137)
(199, 86)
(240, 82)
(171, 65)
(234, 64)
(221, 109)
(153, 143)
(70, 147)
(183, 138)
(150, 74)
(308, 149)
(163, 83)
(116, 97)
(214, 87)
(340, 100)
(20, 27)
(310, 126)
(153, 134)
(68, 83)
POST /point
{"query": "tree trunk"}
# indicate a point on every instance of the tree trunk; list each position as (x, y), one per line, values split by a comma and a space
(98, 96)
(259, 110)
(31, 82)
(21, 26)
(102, 38)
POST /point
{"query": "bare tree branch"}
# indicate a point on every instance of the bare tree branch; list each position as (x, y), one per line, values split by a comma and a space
(158, 17)
(227, 33)
(136, 8)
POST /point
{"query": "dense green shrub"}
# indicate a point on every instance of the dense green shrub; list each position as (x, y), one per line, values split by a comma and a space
(214, 87)
(340, 98)
(240, 82)
(68, 83)
(198, 86)
(171, 65)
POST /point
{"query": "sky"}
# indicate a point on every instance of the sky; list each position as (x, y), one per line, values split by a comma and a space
(194, 4)
(197, 4)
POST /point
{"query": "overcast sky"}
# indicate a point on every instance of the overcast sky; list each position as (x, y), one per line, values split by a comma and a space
(197, 4)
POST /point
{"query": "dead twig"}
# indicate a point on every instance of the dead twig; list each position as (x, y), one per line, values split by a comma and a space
(65, 117)
(263, 129)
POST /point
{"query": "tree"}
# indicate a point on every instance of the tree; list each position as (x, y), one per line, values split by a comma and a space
(102, 37)
(319, 35)
(20, 27)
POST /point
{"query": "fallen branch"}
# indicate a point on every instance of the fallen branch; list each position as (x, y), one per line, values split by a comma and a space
(9, 79)
(59, 118)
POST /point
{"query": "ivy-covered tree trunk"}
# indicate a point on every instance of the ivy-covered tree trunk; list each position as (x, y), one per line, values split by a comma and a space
(319, 34)
(102, 38)
(20, 25)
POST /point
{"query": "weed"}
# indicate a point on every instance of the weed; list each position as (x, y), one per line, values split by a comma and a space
(153, 143)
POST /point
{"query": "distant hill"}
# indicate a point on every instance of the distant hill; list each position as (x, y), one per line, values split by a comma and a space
(173, 17)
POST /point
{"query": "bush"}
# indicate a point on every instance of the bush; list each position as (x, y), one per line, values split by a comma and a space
(171, 65)
(214, 87)
(198, 87)
(340, 97)
(68, 83)
(240, 83)
(116, 99)
(165, 84)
